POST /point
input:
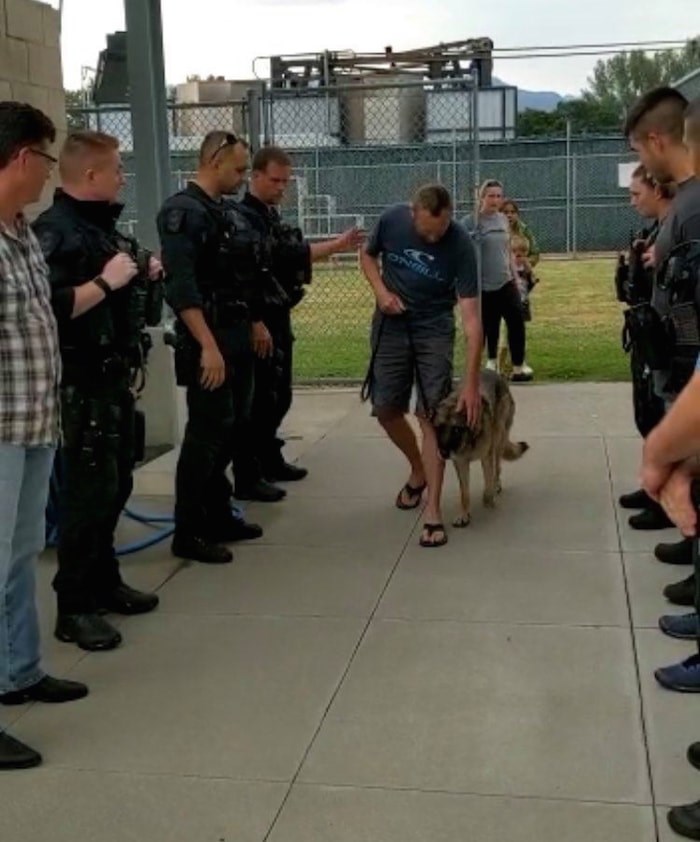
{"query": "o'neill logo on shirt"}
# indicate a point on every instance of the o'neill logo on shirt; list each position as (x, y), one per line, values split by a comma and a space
(417, 261)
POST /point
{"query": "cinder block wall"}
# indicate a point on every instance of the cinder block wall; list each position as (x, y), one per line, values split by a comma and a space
(30, 64)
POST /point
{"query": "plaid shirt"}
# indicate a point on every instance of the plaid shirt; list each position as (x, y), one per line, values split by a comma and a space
(30, 365)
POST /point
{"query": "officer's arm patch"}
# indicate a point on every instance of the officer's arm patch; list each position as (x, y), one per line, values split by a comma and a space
(174, 220)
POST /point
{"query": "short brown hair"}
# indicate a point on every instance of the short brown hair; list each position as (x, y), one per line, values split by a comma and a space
(692, 120)
(79, 148)
(666, 190)
(661, 111)
(270, 155)
(434, 198)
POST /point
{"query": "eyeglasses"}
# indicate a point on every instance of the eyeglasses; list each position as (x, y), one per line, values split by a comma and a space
(230, 139)
(45, 155)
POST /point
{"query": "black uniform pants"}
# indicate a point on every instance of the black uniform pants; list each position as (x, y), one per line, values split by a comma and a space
(649, 408)
(218, 432)
(96, 480)
(273, 390)
(504, 303)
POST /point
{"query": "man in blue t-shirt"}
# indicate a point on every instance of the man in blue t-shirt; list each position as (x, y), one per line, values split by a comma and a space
(420, 264)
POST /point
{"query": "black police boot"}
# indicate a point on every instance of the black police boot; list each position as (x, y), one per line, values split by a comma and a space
(51, 691)
(16, 755)
(679, 553)
(685, 820)
(636, 500)
(195, 548)
(681, 593)
(694, 755)
(260, 491)
(90, 631)
(650, 519)
(231, 529)
(284, 472)
(127, 601)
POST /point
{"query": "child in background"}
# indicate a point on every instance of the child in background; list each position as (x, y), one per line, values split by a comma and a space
(526, 282)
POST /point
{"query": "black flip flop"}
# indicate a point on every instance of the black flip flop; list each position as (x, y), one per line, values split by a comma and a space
(412, 492)
(431, 529)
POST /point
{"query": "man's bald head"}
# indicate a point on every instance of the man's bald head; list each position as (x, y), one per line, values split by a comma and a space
(91, 167)
(223, 161)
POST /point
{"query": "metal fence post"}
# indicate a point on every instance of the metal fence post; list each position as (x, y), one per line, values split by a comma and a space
(254, 133)
(476, 139)
(149, 113)
(574, 198)
(455, 180)
(568, 187)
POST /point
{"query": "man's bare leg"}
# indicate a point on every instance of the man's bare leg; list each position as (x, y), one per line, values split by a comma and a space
(435, 476)
(402, 435)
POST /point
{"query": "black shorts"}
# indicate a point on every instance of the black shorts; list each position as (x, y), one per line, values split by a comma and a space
(408, 355)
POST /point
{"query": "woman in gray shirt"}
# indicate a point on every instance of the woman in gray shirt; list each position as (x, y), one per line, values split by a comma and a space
(500, 299)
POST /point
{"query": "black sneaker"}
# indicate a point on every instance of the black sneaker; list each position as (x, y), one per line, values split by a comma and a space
(685, 820)
(234, 529)
(636, 500)
(51, 691)
(261, 491)
(16, 755)
(127, 601)
(650, 519)
(285, 472)
(90, 631)
(681, 593)
(194, 548)
(694, 755)
(679, 553)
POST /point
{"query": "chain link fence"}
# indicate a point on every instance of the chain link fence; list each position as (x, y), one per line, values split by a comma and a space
(358, 149)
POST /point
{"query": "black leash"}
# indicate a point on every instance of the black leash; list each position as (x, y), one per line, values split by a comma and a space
(368, 385)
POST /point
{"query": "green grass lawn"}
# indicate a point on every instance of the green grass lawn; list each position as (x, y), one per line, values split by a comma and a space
(574, 335)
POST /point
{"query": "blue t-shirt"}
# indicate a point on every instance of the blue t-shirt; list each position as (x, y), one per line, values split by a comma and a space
(428, 277)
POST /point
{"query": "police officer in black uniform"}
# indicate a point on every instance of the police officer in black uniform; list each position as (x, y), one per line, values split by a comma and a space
(291, 258)
(214, 287)
(634, 282)
(105, 291)
(655, 129)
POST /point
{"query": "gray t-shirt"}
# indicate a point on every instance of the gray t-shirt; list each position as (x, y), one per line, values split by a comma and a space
(428, 277)
(682, 223)
(492, 235)
(683, 220)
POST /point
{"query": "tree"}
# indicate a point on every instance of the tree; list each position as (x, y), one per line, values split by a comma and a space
(619, 81)
(75, 102)
(585, 115)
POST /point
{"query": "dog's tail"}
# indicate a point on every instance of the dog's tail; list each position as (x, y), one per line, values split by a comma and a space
(514, 450)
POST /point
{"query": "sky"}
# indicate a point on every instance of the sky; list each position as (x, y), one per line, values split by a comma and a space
(223, 37)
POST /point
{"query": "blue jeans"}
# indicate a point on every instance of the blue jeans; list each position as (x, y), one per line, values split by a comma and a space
(24, 487)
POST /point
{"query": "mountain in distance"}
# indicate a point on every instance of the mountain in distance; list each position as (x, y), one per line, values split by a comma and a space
(539, 100)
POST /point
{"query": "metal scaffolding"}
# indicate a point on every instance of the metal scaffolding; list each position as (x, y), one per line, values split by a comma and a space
(149, 115)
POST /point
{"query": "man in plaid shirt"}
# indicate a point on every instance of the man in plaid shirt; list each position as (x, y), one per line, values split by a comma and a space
(29, 418)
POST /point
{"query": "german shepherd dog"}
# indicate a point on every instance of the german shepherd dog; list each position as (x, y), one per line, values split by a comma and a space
(489, 442)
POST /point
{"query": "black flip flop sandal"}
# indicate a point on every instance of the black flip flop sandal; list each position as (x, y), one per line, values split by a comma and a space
(414, 493)
(431, 529)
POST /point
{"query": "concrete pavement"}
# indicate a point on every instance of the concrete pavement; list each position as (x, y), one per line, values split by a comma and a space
(338, 683)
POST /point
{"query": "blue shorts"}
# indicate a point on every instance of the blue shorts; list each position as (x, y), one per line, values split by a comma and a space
(407, 355)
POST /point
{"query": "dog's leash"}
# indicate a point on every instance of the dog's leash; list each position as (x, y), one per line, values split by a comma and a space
(368, 385)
